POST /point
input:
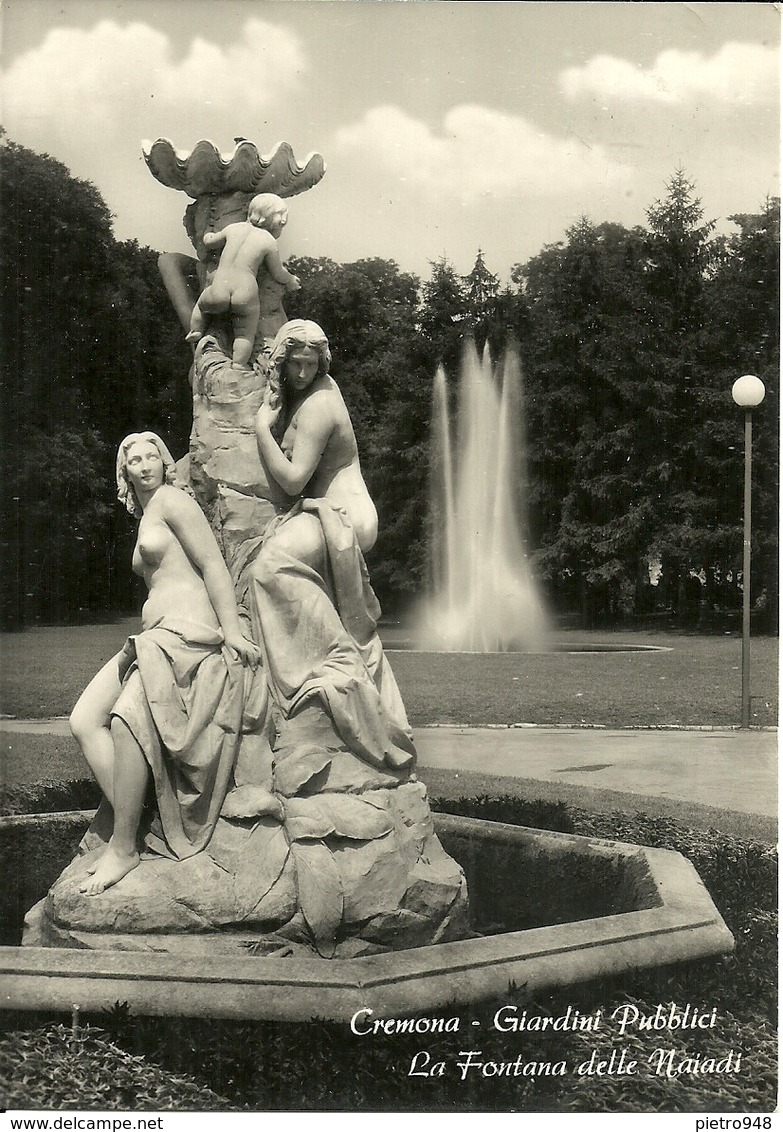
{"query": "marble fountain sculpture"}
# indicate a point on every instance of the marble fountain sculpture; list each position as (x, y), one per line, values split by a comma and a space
(327, 885)
(325, 844)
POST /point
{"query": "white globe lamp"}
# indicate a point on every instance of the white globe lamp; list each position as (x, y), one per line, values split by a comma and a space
(748, 391)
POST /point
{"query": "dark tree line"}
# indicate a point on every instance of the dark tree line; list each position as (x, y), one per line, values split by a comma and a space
(630, 341)
(90, 353)
(633, 341)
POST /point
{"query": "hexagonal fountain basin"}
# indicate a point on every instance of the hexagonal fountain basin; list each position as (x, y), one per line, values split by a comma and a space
(554, 909)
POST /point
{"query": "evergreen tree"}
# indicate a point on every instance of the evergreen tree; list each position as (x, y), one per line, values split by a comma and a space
(632, 342)
(741, 335)
(588, 398)
(690, 528)
(482, 300)
(443, 318)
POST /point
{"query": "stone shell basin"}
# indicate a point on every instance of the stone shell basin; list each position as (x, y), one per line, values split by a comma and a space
(204, 169)
(549, 909)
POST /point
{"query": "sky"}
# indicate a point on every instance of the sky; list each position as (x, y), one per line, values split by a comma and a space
(445, 126)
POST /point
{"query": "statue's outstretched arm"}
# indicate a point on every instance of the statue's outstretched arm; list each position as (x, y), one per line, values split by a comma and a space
(179, 273)
(274, 265)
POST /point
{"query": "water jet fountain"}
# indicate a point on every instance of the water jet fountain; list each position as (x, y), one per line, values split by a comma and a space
(485, 598)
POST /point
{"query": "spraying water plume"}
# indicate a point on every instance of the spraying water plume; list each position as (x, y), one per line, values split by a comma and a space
(484, 597)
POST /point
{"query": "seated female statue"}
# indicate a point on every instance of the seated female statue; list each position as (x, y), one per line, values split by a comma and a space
(317, 456)
(168, 707)
(304, 579)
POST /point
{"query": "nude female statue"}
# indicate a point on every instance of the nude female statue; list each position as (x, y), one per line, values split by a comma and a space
(306, 583)
(150, 711)
(317, 456)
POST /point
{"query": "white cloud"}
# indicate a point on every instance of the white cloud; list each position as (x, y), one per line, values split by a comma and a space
(740, 73)
(479, 152)
(83, 79)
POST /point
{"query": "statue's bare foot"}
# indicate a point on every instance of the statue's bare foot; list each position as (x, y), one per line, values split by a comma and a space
(194, 336)
(112, 867)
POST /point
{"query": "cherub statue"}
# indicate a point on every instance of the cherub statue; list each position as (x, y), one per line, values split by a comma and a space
(247, 246)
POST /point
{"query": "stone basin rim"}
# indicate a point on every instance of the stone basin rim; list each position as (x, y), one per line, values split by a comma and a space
(317, 972)
(683, 924)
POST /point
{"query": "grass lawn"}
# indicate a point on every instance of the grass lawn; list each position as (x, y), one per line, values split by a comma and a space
(44, 670)
(696, 681)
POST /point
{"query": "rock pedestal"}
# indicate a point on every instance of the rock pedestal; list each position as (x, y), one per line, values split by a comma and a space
(336, 858)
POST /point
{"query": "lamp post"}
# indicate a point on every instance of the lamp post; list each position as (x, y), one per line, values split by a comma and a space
(748, 392)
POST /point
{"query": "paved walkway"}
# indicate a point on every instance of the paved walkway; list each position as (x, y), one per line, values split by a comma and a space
(734, 770)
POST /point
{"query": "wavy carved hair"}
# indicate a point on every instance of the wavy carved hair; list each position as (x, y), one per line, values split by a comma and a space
(293, 335)
(125, 492)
